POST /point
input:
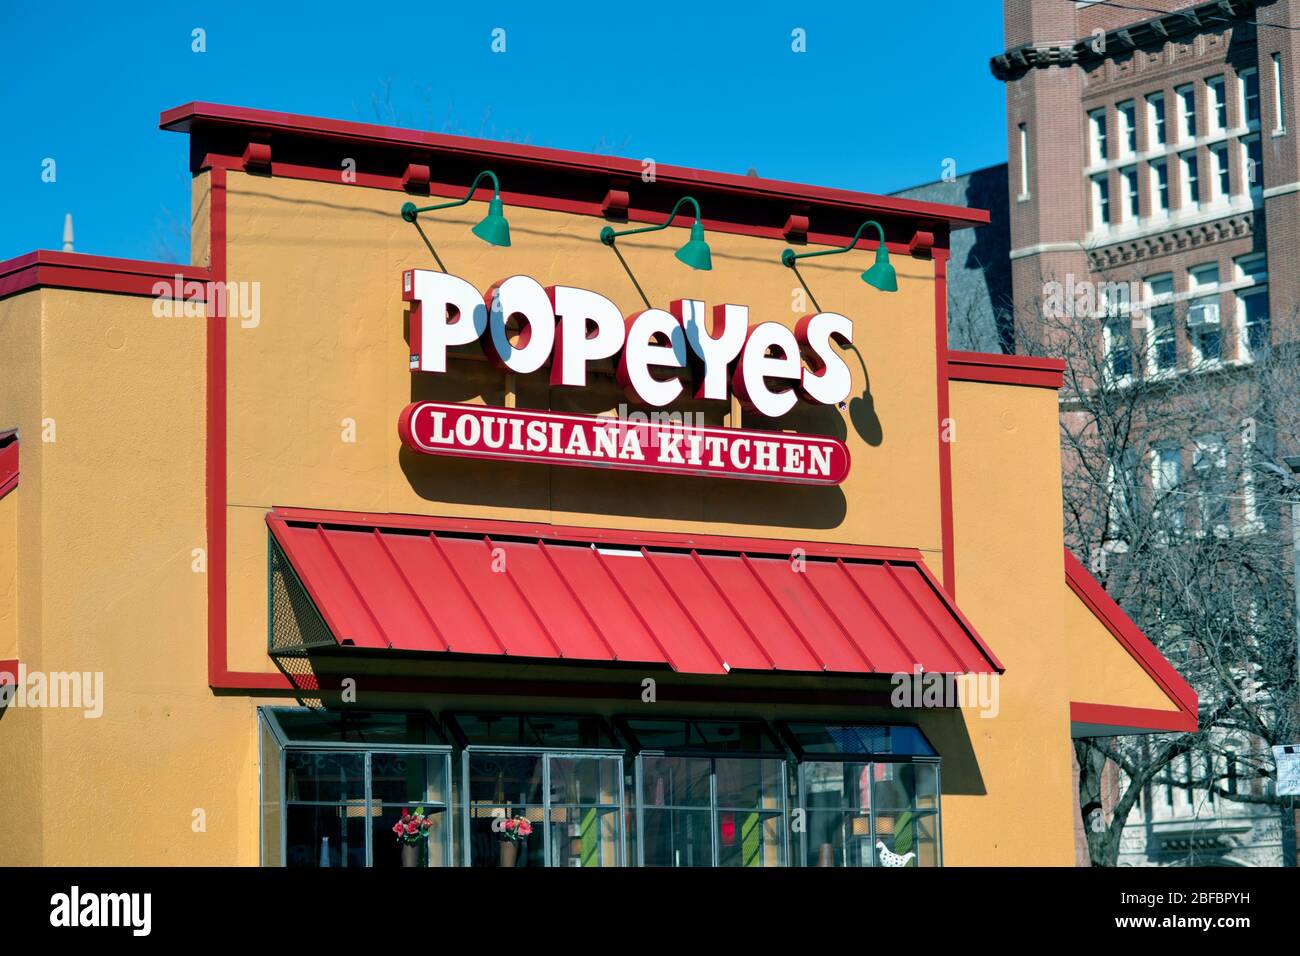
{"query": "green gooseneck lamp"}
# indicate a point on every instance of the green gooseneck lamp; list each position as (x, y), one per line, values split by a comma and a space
(696, 251)
(880, 276)
(494, 229)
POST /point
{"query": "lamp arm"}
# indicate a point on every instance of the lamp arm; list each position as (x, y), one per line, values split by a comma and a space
(789, 256)
(608, 235)
(408, 208)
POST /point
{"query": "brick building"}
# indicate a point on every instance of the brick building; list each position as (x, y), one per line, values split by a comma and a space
(1152, 150)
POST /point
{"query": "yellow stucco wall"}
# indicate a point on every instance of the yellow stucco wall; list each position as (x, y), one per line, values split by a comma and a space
(111, 512)
(1101, 670)
(1007, 544)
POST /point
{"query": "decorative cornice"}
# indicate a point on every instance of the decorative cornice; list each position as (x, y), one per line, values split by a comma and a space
(1016, 62)
(1178, 239)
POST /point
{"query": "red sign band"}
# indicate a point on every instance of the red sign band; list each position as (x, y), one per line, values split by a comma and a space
(588, 441)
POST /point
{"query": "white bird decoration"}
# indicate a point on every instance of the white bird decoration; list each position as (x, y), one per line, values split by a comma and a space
(889, 858)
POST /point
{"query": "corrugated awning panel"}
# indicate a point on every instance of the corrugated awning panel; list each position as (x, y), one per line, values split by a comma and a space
(699, 604)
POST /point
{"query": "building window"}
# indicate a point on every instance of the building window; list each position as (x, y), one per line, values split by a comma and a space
(1024, 160)
(1203, 328)
(1248, 84)
(1211, 466)
(1252, 268)
(1252, 309)
(1097, 135)
(1100, 202)
(1220, 172)
(1217, 104)
(1156, 133)
(1187, 111)
(1119, 349)
(1159, 188)
(1252, 162)
(709, 793)
(1129, 180)
(1126, 113)
(563, 774)
(1191, 197)
(871, 794)
(1279, 120)
(1164, 340)
(335, 782)
(1166, 479)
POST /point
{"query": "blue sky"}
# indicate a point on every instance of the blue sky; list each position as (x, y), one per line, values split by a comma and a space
(686, 84)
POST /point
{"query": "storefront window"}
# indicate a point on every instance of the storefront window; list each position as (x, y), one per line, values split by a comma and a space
(524, 767)
(709, 793)
(871, 795)
(334, 783)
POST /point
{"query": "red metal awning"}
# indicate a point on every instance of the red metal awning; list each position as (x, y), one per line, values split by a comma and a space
(700, 604)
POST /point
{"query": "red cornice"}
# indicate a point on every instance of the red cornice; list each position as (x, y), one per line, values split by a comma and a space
(1006, 369)
(304, 147)
(1140, 648)
(76, 270)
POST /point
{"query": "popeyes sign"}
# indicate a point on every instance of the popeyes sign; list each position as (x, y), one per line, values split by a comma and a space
(525, 327)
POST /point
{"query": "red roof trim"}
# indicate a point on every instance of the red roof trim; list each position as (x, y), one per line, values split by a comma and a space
(614, 536)
(188, 117)
(1006, 369)
(1140, 648)
(8, 461)
(76, 270)
(1109, 720)
(292, 528)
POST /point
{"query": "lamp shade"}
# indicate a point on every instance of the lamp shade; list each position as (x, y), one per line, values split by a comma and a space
(494, 228)
(882, 275)
(696, 251)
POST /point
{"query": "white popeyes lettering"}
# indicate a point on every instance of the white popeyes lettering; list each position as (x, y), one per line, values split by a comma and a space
(447, 311)
(574, 347)
(731, 323)
(573, 327)
(521, 298)
(641, 351)
(756, 367)
(827, 379)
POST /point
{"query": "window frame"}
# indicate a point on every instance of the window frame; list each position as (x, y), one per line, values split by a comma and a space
(1159, 189)
(1216, 103)
(1098, 139)
(1221, 174)
(267, 722)
(1132, 190)
(779, 754)
(1244, 76)
(1189, 193)
(1126, 123)
(467, 749)
(803, 758)
(1157, 120)
(1186, 94)
(1279, 97)
(1257, 291)
(1103, 220)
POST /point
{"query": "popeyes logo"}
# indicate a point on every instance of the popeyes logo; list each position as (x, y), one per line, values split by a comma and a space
(524, 327)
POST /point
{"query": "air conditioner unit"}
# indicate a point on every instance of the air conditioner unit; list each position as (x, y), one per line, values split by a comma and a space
(1203, 313)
